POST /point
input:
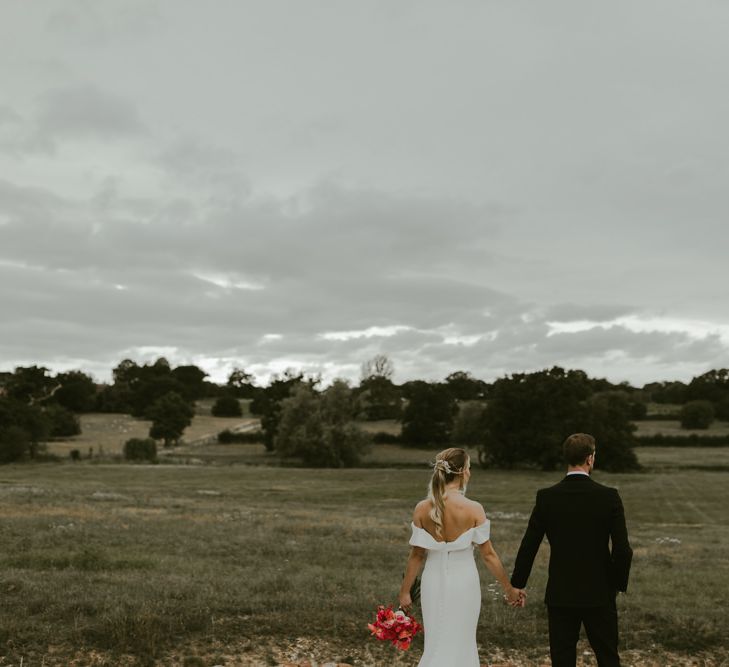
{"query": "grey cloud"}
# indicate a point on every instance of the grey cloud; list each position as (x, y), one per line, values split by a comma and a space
(84, 111)
(8, 116)
(659, 347)
(600, 312)
(96, 24)
(485, 187)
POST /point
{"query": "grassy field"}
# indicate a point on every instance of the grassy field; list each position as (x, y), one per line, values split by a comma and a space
(249, 565)
(105, 434)
(672, 427)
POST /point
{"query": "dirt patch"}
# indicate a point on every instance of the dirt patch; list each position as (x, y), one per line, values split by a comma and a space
(305, 652)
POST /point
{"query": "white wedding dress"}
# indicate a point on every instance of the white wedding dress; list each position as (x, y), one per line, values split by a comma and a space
(450, 597)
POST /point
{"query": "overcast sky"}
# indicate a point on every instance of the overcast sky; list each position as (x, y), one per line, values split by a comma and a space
(480, 185)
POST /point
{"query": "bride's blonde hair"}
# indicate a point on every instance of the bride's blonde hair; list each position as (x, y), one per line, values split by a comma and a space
(449, 464)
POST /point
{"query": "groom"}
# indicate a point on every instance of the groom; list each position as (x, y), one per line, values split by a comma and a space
(579, 517)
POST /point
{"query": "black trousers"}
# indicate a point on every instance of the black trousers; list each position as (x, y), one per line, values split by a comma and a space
(601, 627)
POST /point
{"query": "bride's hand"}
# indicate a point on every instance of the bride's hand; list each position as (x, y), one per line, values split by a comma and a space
(516, 597)
(405, 601)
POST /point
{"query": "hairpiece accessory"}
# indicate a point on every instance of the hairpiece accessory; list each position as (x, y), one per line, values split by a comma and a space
(443, 465)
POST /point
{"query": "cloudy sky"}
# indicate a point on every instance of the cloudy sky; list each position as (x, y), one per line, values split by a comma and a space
(481, 185)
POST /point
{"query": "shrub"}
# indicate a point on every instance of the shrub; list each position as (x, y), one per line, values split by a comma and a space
(75, 455)
(697, 414)
(385, 438)
(227, 406)
(721, 409)
(14, 444)
(63, 423)
(227, 437)
(687, 440)
(469, 426)
(319, 428)
(140, 449)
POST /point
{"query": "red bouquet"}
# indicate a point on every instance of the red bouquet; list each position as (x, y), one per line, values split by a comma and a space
(394, 626)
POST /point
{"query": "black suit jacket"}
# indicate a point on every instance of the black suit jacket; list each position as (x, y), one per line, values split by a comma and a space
(580, 519)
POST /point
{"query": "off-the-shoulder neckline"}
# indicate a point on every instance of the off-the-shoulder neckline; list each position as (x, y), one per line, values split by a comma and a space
(465, 532)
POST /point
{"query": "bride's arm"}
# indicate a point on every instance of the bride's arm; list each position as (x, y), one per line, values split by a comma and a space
(415, 560)
(412, 569)
(493, 563)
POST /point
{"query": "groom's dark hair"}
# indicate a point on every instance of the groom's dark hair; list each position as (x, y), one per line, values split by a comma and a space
(577, 448)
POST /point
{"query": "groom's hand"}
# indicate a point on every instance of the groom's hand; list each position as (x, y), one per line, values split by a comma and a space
(516, 597)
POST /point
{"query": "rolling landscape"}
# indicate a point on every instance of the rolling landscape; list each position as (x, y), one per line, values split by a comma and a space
(219, 555)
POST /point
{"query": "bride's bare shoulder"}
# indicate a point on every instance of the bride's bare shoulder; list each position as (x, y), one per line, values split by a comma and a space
(479, 515)
(421, 512)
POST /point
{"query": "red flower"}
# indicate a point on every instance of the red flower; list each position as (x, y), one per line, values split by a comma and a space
(394, 626)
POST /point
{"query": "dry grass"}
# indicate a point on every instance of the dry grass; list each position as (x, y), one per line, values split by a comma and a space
(228, 564)
(672, 427)
(107, 433)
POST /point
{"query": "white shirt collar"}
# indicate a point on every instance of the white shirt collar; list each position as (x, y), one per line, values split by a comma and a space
(577, 472)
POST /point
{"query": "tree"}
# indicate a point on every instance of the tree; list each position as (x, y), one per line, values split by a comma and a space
(241, 383)
(379, 366)
(62, 422)
(319, 428)
(529, 415)
(14, 444)
(379, 398)
(711, 386)
(268, 400)
(428, 416)
(666, 392)
(607, 417)
(30, 419)
(192, 380)
(227, 406)
(150, 388)
(722, 409)
(171, 415)
(77, 392)
(30, 385)
(697, 414)
(136, 388)
(469, 424)
(465, 387)
(140, 449)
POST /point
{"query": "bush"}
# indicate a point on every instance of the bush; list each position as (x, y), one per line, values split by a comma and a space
(227, 406)
(14, 444)
(140, 449)
(385, 438)
(75, 455)
(721, 409)
(227, 437)
(688, 440)
(469, 426)
(63, 423)
(697, 414)
(319, 429)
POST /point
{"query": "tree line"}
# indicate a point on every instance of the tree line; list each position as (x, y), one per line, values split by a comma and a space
(516, 420)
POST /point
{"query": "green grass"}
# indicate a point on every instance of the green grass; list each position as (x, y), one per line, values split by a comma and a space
(673, 427)
(106, 433)
(142, 559)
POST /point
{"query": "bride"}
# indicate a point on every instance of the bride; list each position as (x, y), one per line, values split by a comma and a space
(445, 526)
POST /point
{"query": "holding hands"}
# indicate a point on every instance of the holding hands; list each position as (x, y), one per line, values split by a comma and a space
(515, 597)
